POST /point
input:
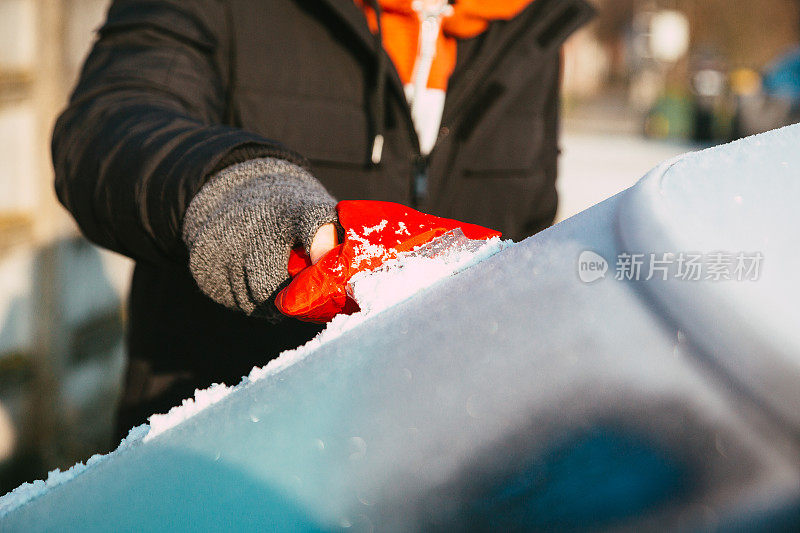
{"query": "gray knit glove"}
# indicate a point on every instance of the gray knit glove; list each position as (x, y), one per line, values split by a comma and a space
(243, 223)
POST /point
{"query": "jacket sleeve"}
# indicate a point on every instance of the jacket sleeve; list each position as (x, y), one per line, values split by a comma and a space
(144, 127)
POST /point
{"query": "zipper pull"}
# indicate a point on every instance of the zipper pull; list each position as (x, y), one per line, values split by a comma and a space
(377, 150)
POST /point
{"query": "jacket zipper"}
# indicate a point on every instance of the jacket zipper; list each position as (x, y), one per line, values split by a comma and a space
(430, 13)
(570, 12)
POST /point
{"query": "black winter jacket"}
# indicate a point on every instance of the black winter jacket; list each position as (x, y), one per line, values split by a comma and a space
(175, 90)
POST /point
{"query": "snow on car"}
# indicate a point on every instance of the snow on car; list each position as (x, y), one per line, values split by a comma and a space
(634, 366)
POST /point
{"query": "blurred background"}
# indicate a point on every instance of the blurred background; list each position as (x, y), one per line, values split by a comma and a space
(649, 79)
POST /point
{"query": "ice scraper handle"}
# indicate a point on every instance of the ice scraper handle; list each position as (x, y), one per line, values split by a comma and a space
(373, 233)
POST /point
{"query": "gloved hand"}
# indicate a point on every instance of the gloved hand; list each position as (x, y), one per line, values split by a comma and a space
(242, 225)
(373, 233)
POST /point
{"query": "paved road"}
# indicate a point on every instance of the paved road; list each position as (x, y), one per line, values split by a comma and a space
(594, 167)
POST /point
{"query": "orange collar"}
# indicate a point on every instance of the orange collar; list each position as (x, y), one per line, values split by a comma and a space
(401, 26)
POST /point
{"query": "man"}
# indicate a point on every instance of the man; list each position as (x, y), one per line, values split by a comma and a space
(207, 138)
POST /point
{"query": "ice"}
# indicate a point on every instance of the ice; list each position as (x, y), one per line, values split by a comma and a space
(510, 396)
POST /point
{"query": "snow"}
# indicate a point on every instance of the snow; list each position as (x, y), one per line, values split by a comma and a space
(402, 277)
(159, 423)
(365, 250)
(367, 230)
(395, 281)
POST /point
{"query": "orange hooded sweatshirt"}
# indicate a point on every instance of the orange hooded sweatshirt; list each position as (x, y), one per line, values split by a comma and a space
(420, 38)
